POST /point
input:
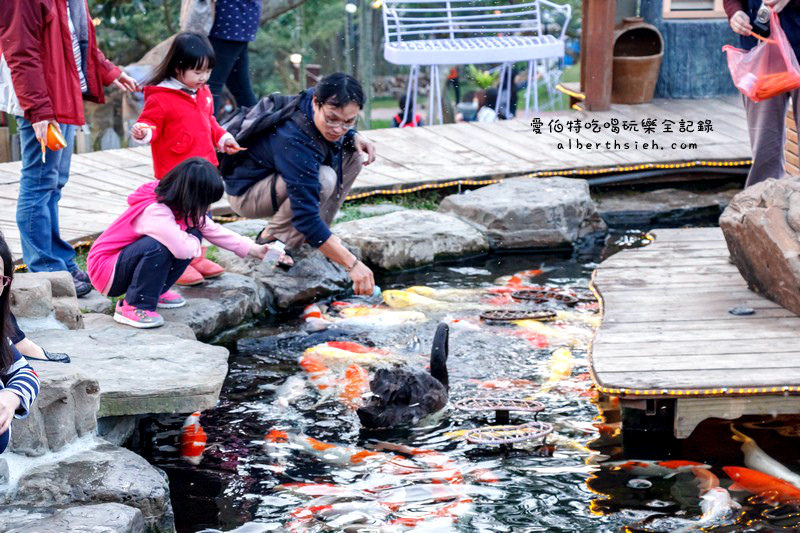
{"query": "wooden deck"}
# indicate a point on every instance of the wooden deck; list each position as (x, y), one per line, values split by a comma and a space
(667, 332)
(409, 158)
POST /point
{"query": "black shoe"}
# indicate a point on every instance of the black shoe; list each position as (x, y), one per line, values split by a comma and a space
(82, 288)
(55, 357)
(264, 237)
(80, 275)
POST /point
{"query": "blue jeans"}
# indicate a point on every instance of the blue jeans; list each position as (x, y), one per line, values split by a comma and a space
(40, 184)
(232, 69)
(146, 269)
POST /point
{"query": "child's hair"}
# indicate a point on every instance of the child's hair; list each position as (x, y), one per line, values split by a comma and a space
(187, 51)
(469, 97)
(6, 357)
(189, 189)
(339, 89)
(402, 102)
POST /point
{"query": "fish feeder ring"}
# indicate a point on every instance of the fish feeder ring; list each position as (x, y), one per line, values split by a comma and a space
(504, 435)
(542, 296)
(509, 315)
(501, 407)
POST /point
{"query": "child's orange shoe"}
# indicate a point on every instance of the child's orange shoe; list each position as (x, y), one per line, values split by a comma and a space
(206, 267)
(190, 277)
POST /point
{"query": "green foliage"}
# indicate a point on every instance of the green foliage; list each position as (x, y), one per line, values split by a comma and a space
(482, 78)
(129, 28)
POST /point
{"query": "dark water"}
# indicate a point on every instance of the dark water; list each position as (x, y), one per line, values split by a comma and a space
(526, 487)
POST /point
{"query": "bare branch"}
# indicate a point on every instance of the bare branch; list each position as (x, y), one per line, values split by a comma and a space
(271, 9)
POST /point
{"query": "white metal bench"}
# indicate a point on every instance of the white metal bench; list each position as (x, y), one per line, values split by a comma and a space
(464, 32)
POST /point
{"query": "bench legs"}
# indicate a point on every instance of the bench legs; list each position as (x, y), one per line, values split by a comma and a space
(411, 92)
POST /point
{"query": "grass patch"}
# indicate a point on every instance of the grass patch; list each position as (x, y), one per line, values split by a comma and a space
(212, 253)
(380, 123)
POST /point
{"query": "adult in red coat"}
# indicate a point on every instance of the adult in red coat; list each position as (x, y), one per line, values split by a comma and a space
(49, 64)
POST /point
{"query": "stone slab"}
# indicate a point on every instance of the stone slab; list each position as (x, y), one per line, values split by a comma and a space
(312, 277)
(94, 302)
(218, 304)
(411, 238)
(528, 212)
(101, 475)
(100, 518)
(662, 206)
(65, 410)
(177, 329)
(140, 371)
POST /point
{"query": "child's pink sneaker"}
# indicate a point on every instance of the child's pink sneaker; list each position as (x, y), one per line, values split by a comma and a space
(138, 318)
(171, 300)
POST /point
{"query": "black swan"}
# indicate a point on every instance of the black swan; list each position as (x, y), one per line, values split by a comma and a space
(404, 395)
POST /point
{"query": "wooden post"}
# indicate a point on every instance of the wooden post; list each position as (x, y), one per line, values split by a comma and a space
(790, 148)
(313, 75)
(597, 42)
(5, 144)
(366, 66)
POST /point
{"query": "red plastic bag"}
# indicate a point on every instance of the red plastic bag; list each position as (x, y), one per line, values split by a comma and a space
(768, 69)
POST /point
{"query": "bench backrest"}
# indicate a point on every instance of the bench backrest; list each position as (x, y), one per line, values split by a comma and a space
(407, 20)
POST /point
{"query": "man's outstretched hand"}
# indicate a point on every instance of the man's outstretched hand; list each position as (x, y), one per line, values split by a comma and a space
(364, 147)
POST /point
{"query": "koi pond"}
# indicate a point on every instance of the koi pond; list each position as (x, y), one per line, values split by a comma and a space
(286, 450)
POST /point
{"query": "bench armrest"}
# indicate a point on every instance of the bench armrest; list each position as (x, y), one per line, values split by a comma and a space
(566, 9)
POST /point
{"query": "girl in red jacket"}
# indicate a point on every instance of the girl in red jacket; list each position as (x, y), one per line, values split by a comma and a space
(178, 121)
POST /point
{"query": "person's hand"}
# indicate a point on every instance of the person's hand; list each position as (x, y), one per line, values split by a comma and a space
(364, 146)
(231, 146)
(9, 403)
(126, 83)
(776, 5)
(40, 129)
(363, 280)
(260, 250)
(740, 23)
(138, 132)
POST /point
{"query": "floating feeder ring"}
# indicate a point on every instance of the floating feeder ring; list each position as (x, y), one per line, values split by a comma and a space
(509, 434)
(541, 296)
(499, 404)
(508, 315)
(584, 295)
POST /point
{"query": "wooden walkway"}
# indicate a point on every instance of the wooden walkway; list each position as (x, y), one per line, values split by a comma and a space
(667, 332)
(424, 157)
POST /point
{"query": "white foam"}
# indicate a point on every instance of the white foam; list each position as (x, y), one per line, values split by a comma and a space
(19, 465)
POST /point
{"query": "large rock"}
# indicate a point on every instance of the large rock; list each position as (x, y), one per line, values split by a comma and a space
(218, 304)
(100, 475)
(140, 372)
(662, 206)
(762, 229)
(529, 213)
(411, 238)
(178, 329)
(100, 518)
(65, 410)
(94, 302)
(38, 296)
(312, 277)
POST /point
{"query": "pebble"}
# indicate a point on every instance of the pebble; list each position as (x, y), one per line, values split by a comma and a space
(742, 311)
(639, 484)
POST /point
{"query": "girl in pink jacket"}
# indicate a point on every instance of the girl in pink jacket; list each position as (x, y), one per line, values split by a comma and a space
(149, 246)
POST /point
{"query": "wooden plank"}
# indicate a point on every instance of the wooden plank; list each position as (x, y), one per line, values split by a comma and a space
(691, 348)
(691, 363)
(707, 379)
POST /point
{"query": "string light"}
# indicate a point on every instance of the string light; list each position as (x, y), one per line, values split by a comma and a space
(551, 173)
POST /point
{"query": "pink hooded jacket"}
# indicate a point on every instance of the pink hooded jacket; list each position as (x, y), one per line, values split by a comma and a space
(146, 216)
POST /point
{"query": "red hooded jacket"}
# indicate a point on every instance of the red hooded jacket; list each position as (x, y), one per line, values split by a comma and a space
(37, 45)
(184, 126)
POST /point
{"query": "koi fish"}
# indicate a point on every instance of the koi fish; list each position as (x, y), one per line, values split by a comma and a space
(717, 505)
(193, 439)
(348, 351)
(318, 372)
(523, 277)
(757, 459)
(446, 295)
(356, 385)
(561, 361)
(761, 484)
(359, 316)
(665, 469)
(401, 299)
(329, 453)
(566, 333)
(592, 320)
(705, 479)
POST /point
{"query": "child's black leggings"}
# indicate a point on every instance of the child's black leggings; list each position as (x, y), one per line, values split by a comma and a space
(145, 270)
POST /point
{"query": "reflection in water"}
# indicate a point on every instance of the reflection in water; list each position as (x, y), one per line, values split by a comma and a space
(287, 453)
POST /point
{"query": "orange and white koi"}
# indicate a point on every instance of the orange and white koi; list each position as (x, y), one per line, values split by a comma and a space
(705, 479)
(329, 453)
(347, 352)
(665, 469)
(355, 386)
(193, 439)
(359, 315)
(318, 372)
(758, 459)
(521, 278)
(768, 487)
